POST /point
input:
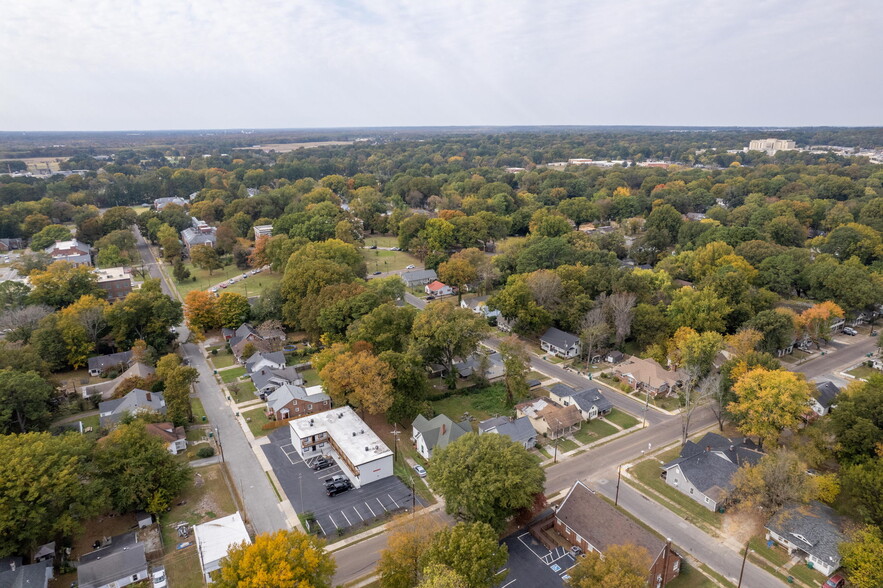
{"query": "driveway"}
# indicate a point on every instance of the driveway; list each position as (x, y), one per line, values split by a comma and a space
(305, 489)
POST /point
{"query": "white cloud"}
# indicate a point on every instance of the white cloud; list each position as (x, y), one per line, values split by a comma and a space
(240, 63)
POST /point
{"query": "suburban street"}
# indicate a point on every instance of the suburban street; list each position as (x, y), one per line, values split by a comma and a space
(261, 504)
(843, 358)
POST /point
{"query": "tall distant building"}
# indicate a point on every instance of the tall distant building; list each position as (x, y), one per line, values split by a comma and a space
(771, 146)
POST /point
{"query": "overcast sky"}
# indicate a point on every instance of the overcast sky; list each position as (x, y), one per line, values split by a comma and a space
(158, 64)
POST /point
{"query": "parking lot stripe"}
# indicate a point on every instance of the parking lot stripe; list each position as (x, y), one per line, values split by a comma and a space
(393, 501)
(358, 513)
(381, 504)
(333, 522)
(510, 582)
(321, 527)
(347, 519)
(372, 510)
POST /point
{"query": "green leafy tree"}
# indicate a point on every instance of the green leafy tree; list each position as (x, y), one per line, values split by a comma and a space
(45, 489)
(441, 576)
(510, 478)
(13, 295)
(180, 272)
(232, 309)
(443, 332)
(862, 554)
(410, 385)
(25, 401)
(858, 420)
(278, 560)
(622, 566)
(171, 245)
(205, 257)
(701, 310)
(863, 485)
(137, 469)
(386, 328)
(62, 284)
(146, 314)
(48, 235)
(516, 361)
(178, 380)
(471, 550)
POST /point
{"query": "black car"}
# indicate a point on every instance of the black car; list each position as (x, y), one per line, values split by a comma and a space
(322, 463)
(338, 487)
(376, 273)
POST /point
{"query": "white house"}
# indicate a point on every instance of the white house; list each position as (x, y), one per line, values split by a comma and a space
(590, 401)
(812, 531)
(436, 433)
(823, 398)
(273, 360)
(174, 437)
(339, 432)
(560, 343)
(437, 288)
(478, 305)
(215, 538)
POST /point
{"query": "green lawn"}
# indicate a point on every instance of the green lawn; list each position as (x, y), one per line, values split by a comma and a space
(228, 376)
(91, 421)
(482, 404)
(241, 391)
(381, 260)
(311, 378)
(248, 388)
(407, 475)
(382, 241)
(198, 410)
(666, 403)
(804, 574)
(794, 357)
(777, 556)
(223, 359)
(690, 577)
(258, 419)
(623, 419)
(566, 445)
(251, 286)
(864, 372)
(648, 473)
(593, 430)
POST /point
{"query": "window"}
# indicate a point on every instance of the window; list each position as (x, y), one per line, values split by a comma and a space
(706, 500)
(135, 578)
(309, 407)
(674, 481)
(676, 566)
(691, 491)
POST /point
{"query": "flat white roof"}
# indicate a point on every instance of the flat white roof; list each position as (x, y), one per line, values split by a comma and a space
(111, 273)
(215, 538)
(340, 424)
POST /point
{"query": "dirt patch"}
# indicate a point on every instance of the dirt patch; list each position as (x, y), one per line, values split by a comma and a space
(741, 525)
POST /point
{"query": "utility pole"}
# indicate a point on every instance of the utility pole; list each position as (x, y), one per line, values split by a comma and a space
(300, 483)
(395, 443)
(646, 406)
(557, 436)
(618, 477)
(742, 571)
(220, 447)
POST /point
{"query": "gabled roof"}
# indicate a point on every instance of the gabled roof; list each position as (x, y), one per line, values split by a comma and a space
(475, 302)
(419, 275)
(439, 431)
(436, 286)
(649, 372)
(558, 338)
(135, 401)
(275, 357)
(825, 393)
(23, 576)
(601, 524)
(102, 362)
(468, 366)
(67, 247)
(289, 393)
(586, 399)
(533, 408)
(122, 558)
(193, 237)
(561, 416)
(709, 465)
(518, 430)
(265, 376)
(813, 527)
(166, 431)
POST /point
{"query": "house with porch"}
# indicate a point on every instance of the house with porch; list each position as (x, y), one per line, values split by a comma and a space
(549, 418)
(110, 412)
(102, 363)
(439, 432)
(290, 401)
(437, 289)
(266, 380)
(589, 522)
(590, 401)
(274, 360)
(478, 305)
(518, 430)
(823, 398)
(560, 343)
(813, 531)
(174, 437)
(647, 374)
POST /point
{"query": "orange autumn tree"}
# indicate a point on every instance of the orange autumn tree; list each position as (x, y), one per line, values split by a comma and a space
(816, 320)
(200, 311)
(276, 560)
(360, 379)
(769, 401)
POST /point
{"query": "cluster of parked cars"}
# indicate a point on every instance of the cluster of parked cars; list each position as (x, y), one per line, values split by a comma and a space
(337, 484)
(235, 279)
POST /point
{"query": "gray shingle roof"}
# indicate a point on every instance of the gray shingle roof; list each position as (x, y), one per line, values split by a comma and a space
(287, 393)
(814, 527)
(29, 576)
(419, 275)
(519, 430)
(584, 399)
(111, 565)
(265, 377)
(276, 357)
(133, 402)
(559, 338)
(710, 464)
(103, 362)
(432, 430)
(825, 393)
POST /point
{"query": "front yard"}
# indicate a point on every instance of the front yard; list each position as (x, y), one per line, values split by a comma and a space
(223, 358)
(623, 419)
(594, 430)
(231, 374)
(864, 372)
(256, 418)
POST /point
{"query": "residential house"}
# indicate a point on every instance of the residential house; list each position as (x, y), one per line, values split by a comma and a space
(812, 531)
(550, 418)
(267, 380)
(116, 281)
(199, 234)
(11, 244)
(111, 411)
(478, 305)
(416, 278)
(518, 430)
(704, 470)
(102, 363)
(493, 370)
(877, 363)
(339, 432)
(438, 432)
(262, 231)
(174, 437)
(13, 574)
(107, 388)
(823, 398)
(590, 401)
(289, 401)
(215, 538)
(437, 289)
(560, 343)
(161, 203)
(122, 561)
(589, 522)
(614, 356)
(647, 374)
(71, 251)
(262, 341)
(265, 359)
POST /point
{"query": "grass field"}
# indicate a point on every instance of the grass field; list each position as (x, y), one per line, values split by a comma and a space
(232, 374)
(864, 372)
(223, 359)
(382, 241)
(565, 445)
(381, 260)
(198, 410)
(593, 430)
(690, 577)
(622, 419)
(258, 419)
(37, 164)
(482, 405)
(251, 286)
(311, 378)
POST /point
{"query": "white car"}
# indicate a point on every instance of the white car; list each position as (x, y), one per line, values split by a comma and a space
(420, 471)
(410, 266)
(159, 578)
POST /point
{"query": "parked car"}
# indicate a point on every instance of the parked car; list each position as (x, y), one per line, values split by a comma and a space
(373, 247)
(335, 480)
(245, 275)
(410, 266)
(321, 463)
(376, 273)
(874, 333)
(420, 471)
(430, 297)
(159, 578)
(835, 581)
(338, 487)
(224, 285)
(850, 331)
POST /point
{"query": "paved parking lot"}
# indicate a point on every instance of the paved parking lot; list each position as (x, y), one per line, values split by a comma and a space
(305, 489)
(531, 564)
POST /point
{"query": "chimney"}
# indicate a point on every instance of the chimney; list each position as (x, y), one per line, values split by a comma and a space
(444, 428)
(708, 448)
(149, 397)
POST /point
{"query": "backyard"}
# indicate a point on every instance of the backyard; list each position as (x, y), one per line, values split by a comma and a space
(481, 404)
(222, 358)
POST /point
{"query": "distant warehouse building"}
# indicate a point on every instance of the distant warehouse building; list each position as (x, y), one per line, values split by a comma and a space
(771, 146)
(339, 432)
(417, 278)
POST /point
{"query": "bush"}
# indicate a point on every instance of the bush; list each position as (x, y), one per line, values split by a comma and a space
(206, 451)
(214, 351)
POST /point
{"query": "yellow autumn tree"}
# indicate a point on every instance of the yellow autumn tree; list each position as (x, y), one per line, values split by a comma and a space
(276, 560)
(360, 379)
(409, 538)
(769, 401)
(624, 566)
(744, 342)
(200, 311)
(816, 320)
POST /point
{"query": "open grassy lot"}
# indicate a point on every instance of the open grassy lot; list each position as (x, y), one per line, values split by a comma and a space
(690, 577)
(223, 359)
(382, 241)
(251, 286)
(623, 419)
(241, 391)
(183, 568)
(232, 374)
(311, 377)
(257, 418)
(593, 430)
(381, 260)
(482, 404)
(197, 409)
(864, 372)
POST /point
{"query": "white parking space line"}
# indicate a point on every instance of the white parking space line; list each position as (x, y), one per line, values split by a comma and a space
(372, 510)
(358, 513)
(333, 522)
(321, 527)
(509, 583)
(381, 504)
(347, 518)
(393, 501)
